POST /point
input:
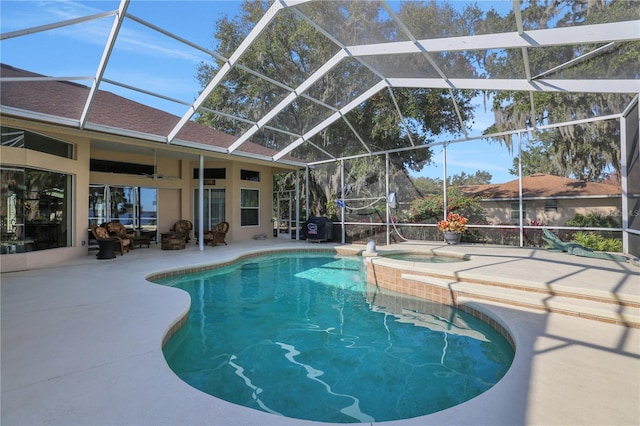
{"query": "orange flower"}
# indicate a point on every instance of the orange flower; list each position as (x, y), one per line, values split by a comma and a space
(454, 223)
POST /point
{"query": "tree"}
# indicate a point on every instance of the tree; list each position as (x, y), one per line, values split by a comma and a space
(428, 186)
(536, 159)
(583, 151)
(480, 177)
(291, 50)
(431, 207)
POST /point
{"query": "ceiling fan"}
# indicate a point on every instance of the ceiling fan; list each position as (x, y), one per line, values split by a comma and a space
(156, 175)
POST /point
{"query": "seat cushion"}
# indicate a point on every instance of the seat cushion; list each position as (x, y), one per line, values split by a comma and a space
(101, 232)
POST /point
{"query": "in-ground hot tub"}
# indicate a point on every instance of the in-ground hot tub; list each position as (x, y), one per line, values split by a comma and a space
(421, 257)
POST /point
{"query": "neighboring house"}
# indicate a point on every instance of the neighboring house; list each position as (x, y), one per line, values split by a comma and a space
(546, 199)
(60, 174)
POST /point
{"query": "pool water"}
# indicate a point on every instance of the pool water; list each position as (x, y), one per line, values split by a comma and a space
(305, 337)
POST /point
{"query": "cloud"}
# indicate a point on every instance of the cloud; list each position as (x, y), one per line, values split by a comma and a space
(152, 43)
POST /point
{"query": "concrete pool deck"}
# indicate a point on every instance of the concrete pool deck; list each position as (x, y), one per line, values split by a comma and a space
(81, 343)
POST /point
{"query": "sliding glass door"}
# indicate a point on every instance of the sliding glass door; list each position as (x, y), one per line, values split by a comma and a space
(213, 207)
(133, 206)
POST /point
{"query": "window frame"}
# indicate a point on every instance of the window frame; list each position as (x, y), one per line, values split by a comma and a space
(39, 217)
(249, 208)
(249, 175)
(514, 213)
(37, 142)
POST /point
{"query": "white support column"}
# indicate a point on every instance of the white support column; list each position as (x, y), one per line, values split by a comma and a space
(520, 218)
(278, 215)
(629, 124)
(344, 230)
(386, 157)
(298, 205)
(444, 179)
(201, 203)
(624, 183)
(306, 199)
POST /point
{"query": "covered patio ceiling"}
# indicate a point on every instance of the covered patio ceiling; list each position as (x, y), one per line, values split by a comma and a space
(392, 53)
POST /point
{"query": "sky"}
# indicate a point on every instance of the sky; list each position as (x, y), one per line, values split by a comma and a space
(163, 65)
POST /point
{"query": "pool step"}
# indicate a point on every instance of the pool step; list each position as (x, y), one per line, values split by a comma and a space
(466, 292)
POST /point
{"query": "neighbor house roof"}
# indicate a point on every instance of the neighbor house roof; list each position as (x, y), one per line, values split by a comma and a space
(542, 186)
(65, 100)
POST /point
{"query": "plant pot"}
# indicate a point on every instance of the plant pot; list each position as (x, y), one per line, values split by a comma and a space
(451, 237)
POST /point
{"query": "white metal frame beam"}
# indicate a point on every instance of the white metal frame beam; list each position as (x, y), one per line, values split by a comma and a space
(61, 24)
(618, 31)
(111, 41)
(522, 85)
(584, 34)
(473, 138)
(224, 70)
(334, 117)
(320, 72)
(612, 86)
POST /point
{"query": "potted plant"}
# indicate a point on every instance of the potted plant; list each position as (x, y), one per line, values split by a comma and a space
(453, 227)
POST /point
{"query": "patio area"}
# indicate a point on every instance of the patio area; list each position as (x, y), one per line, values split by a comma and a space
(81, 342)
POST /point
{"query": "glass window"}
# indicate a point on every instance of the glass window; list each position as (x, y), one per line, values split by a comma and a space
(97, 205)
(123, 205)
(23, 139)
(515, 211)
(249, 175)
(249, 207)
(211, 173)
(36, 212)
(133, 206)
(148, 209)
(108, 166)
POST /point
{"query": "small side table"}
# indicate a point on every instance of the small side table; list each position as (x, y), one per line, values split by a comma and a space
(144, 232)
(108, 247)
(142, 239)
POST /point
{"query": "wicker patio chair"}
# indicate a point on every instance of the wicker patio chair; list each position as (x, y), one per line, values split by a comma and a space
(101, 233)
(183, 227)
(116, 229)
(217, 235)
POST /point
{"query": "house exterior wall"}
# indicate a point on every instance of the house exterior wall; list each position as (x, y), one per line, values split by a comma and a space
(233, 185)
(233, 203)
(499, 211)
(175, 195)
(78, 167)
(169, 209)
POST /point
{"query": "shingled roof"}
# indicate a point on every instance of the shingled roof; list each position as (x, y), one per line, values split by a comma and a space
(66, 100)
(542, 186)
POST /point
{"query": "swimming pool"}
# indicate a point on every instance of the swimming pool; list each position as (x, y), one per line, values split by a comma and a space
(305, 337)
